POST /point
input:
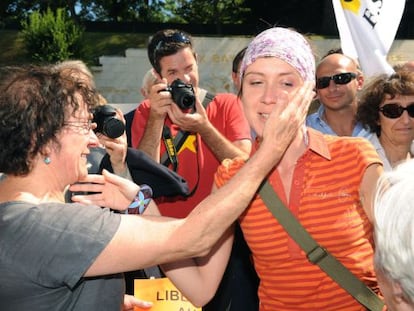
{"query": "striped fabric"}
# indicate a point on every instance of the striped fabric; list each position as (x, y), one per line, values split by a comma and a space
(325, 197)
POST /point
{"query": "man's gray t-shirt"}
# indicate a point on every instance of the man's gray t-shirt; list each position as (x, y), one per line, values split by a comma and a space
(44, 251)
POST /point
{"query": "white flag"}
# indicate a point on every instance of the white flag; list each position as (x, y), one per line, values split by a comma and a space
(367, 30)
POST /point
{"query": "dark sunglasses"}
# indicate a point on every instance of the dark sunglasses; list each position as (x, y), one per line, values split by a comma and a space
(340, 78)
(394, 111)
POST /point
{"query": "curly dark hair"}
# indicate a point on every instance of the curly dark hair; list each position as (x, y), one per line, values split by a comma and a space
(34, 104)
(165, 43)
(373, 95)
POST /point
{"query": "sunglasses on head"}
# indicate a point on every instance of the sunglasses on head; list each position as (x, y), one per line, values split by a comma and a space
(176, 37)
(340, 78)
(394, 111)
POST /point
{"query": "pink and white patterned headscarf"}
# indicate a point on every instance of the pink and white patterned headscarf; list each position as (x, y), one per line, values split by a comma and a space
(285, 44)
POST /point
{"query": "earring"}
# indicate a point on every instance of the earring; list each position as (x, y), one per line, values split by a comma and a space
(47, 160)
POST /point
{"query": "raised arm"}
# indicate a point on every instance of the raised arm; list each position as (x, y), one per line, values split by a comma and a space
(160, 103)
(221, 146)
(143, 241)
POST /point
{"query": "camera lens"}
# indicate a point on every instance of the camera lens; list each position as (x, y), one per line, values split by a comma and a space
(106, 122)
(184, 99)
(113, 128)
(182, 94)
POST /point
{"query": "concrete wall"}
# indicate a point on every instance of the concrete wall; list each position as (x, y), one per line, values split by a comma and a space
(119, 77)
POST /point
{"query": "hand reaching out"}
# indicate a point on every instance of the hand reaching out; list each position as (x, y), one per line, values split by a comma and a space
(109, 190)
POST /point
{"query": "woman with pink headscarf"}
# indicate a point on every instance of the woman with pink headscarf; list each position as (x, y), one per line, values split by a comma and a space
(326, 182)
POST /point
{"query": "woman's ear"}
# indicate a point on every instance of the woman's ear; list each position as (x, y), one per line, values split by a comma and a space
(46, 150)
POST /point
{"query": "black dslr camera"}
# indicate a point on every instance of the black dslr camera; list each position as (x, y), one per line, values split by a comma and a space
(107, 123)
(182, 94)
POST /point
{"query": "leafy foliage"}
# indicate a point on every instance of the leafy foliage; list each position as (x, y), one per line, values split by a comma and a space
(126, 11)
(155, 11)
(16, 10)
(311, 16)
(212, 11)
(51, 37)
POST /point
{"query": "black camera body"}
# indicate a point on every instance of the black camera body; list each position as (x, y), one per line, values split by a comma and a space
(182, 94)
(106, 122)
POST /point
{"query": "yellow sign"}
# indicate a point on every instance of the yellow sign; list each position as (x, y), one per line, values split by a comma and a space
(163, 294)
(351, 5)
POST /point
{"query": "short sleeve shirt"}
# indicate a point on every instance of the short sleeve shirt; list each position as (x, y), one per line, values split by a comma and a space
(44, 251)
(196, 162)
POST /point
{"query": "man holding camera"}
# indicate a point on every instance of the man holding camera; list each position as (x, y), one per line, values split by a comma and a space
(187, 128)
(216, 132)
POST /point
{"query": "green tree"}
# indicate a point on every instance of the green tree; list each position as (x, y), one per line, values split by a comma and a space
(127, 10)
(212, 11)
(17, 10)
(51, 37)
(312, 16)
(158, 11)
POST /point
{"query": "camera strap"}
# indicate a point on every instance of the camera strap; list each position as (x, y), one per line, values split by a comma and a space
(170, 156)
(172, 146)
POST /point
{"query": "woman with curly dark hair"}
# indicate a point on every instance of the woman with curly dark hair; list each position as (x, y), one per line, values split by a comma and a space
(56, 255)
(386, 108)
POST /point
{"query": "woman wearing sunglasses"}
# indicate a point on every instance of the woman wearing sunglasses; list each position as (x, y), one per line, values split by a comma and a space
(386, 108)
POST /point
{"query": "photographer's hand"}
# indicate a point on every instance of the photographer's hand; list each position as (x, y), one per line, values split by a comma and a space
(198, 122)
(117, 149)
(192, 121)
(160, 100)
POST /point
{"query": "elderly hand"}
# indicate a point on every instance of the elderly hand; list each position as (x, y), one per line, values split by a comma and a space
(109, 190)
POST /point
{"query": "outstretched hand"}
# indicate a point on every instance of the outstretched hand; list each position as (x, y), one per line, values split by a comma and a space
(108, 190)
